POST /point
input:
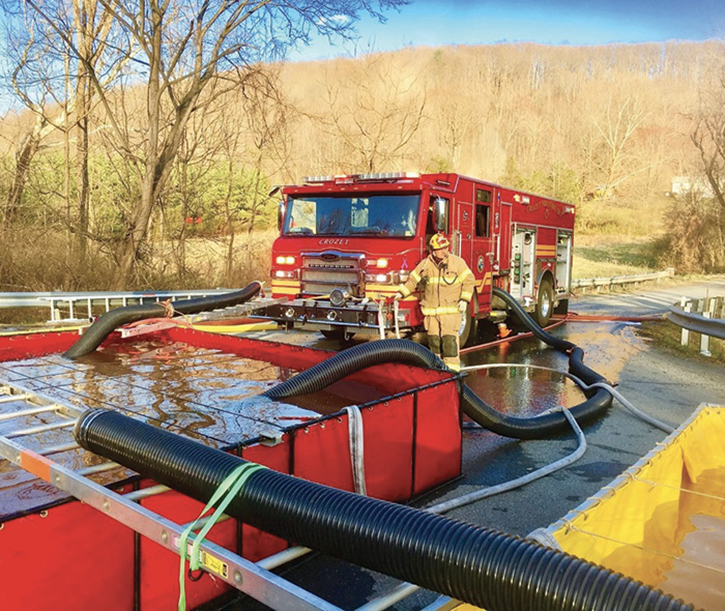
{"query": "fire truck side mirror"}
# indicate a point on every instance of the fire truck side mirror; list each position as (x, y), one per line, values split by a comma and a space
(440, 214)
(280, 215)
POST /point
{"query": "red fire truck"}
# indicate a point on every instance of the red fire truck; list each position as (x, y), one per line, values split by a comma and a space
(347, 242)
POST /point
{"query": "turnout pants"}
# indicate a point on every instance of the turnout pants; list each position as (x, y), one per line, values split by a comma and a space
(443, 338)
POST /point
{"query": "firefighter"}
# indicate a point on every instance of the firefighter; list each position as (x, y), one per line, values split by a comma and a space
(447, 285)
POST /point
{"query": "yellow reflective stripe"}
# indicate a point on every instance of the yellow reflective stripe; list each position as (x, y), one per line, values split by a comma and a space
(485, 281)
(287, 283)
(465, 274)
(415, 276)
(404, 290)
(439, 311)
(279, 291)
(466, 296)
(285, 287)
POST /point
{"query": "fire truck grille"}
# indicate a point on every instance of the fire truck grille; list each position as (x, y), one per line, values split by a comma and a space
(320, 276)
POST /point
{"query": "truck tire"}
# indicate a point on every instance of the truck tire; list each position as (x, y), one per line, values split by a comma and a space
(469, 329)
(544, 302)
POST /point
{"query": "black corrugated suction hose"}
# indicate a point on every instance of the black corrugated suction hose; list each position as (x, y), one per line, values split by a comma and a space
(111, 320)
(354, 359)
(494, 570)
(405, 351)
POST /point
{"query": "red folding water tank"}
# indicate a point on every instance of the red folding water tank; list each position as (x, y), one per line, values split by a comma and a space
(58, 553)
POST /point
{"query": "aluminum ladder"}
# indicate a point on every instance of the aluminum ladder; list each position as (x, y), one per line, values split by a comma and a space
(253, 579)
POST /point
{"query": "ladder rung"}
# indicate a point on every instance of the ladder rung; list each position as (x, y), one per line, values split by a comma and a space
(201, 522)
(11, 398)
(138, 495)
(63, 447)
(40, 429)
(28, 412)
(101, 468)
(283, 557)
(388, 600)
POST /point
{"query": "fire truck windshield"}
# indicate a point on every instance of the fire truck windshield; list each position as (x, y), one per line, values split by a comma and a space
(387, 215)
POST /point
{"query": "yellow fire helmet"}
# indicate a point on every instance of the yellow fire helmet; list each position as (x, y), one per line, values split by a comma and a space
(439, 241)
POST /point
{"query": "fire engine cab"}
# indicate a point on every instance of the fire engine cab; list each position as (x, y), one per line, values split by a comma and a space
(347, 242)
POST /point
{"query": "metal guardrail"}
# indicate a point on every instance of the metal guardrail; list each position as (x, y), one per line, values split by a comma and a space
(598, 283)
(55, 300)
(703, 316)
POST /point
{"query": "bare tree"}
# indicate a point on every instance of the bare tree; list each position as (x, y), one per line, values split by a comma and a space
(376, 111)
(617, 125)
(179, 48)
(708, 137)
(53, 84)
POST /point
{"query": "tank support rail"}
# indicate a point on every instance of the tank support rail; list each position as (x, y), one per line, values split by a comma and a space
(253, 579)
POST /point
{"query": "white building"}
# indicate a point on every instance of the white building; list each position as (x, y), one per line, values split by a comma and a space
(681, 185)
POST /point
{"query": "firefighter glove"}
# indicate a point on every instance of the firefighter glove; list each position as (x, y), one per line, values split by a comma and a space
(462, 305)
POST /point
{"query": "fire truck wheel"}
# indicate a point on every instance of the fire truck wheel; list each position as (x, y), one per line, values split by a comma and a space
(544, 302)
(469, 327)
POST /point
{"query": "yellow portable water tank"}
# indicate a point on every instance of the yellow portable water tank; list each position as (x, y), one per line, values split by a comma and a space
(663, 520)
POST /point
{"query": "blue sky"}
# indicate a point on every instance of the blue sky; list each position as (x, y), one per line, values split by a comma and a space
(585, 22)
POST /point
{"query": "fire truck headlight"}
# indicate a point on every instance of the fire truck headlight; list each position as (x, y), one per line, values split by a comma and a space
(378, 278)
(381, 263)
(285, 260)
(290, 275)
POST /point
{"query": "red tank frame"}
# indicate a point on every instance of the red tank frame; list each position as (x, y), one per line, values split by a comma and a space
(59, 553)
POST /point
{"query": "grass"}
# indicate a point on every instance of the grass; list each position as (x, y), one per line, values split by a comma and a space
(606, 256)
(667, 335)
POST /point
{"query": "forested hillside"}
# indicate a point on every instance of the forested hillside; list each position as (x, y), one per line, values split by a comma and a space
(607, 128)
(606, 124)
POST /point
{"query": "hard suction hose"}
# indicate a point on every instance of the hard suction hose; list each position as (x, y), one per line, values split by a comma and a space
(407, 352)
(493, 570)
(111, 320)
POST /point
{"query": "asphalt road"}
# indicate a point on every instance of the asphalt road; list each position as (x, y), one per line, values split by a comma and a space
(662, 384)
(648, 300)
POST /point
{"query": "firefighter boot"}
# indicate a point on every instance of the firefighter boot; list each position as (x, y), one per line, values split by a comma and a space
(434, 344)
(450, 352)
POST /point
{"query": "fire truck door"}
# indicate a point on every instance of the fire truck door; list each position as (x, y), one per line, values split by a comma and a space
(483, 244)
(503, 240)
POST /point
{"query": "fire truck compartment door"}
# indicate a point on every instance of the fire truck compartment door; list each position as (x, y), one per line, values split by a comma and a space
(483, 243)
